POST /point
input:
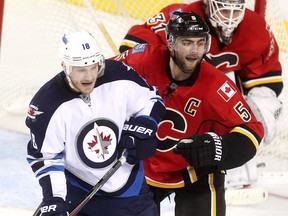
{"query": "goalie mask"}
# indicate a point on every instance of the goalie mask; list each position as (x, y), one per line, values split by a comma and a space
(225, 16)
(80, 49)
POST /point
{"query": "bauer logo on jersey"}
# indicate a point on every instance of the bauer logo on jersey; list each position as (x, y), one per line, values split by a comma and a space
(139, 48)
(96, 143)
(226, 91)
(33, 112)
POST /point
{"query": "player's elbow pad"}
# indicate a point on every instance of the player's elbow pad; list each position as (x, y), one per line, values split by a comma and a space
(240, 149)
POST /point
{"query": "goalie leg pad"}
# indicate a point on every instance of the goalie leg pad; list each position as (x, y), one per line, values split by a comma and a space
(266, 108)
(242, 176)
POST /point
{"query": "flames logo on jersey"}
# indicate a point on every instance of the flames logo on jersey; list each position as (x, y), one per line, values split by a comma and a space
(33, 112)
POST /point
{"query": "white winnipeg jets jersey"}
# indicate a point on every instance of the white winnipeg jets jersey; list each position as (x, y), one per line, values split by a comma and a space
(74, 137)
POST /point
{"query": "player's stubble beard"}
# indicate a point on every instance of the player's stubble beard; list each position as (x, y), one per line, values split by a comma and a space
(182, 65)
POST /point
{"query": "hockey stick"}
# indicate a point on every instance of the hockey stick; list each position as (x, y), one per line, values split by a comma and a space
(96, 188)
(37, 211)
(100, 183)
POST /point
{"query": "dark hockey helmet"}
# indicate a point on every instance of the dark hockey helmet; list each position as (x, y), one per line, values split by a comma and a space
(186, 24)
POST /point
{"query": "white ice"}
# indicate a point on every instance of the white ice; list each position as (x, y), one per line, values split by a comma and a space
(21, 194)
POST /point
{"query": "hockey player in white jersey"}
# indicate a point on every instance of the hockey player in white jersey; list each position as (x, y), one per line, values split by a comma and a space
(80, 121)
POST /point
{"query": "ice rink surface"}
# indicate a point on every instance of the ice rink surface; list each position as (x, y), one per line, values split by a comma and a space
(21, 194)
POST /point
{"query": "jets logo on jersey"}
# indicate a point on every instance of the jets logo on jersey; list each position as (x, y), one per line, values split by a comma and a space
(226, 91)
(97, 142)
(33, 112)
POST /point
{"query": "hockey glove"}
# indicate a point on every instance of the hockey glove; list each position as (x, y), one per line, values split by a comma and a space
(54, 207)
(139, 138)
(201, 150)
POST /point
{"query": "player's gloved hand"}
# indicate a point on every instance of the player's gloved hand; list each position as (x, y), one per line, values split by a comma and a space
(201, 150)
(139, 138)
(55, 206)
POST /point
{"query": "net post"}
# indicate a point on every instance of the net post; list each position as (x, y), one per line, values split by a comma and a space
(1, 19)
(260, 7)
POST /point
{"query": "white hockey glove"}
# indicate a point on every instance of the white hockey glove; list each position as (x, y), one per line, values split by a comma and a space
(266, 108)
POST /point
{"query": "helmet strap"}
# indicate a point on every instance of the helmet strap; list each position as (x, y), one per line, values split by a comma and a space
(66, 70)
(70, 83)
(68, 79)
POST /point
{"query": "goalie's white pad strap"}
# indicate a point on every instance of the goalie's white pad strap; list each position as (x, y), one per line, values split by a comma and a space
(266, 108)
(239, 177)
(247, 196)
(273, 178)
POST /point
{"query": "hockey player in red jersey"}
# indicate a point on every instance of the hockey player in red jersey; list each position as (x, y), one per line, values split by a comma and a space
(244, 48)
(208, 126)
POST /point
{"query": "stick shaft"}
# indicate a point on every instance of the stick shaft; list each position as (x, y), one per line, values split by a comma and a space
(37, 211)
(100, 183)
(96, 188)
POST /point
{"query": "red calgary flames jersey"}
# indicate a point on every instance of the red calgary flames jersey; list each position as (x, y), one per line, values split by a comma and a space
(208, 101)
(253, 53)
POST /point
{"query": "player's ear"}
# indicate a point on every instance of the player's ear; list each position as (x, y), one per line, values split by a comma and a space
(63, 66)
(170, 47)
(170, 42)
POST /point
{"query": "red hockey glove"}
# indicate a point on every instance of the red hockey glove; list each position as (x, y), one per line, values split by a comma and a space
(138, 137)
(201, 150)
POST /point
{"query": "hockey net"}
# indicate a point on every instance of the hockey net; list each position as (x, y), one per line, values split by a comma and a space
(32, 30)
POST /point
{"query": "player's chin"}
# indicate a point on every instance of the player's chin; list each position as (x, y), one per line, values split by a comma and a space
(190, 66)
(87, 88)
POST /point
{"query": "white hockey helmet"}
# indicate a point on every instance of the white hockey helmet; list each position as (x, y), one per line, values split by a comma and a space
(80, 49)
(225, 16)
